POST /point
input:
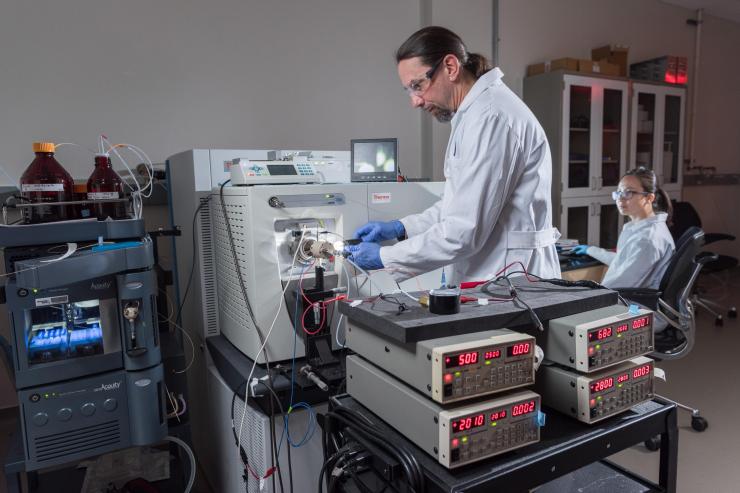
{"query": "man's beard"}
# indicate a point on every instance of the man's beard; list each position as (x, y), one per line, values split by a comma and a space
(442, 115)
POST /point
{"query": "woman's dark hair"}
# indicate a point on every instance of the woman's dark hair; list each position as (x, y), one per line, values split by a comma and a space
(433, 43)
(649, 184)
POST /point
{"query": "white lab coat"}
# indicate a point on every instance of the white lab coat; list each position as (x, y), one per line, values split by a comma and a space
(496, 207)
(644, 250)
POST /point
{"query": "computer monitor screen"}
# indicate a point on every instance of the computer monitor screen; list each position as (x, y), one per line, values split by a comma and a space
(374, 159)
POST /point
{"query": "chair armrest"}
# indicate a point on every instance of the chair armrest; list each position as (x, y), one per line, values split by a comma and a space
(704, 258)
(712, 237)
(644, 296)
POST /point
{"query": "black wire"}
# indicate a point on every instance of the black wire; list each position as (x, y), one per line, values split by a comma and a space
(410, 465)
(326, 464)
(273, 443)
(238, 267)
(362, 421)
(192, 267)
(282, 412)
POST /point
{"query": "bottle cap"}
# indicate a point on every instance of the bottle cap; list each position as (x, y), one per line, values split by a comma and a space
(43, 147)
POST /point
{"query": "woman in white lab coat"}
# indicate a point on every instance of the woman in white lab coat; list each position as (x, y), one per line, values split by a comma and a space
(496, 208)
(645, 247)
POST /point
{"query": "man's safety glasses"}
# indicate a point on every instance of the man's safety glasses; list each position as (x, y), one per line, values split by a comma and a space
(414, 87)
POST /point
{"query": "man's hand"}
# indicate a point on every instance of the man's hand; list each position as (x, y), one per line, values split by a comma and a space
(366, 255)
(376, 231)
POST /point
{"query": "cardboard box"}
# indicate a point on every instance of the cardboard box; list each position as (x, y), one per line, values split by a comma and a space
(594, 67)
(614, 54)
(550, 65)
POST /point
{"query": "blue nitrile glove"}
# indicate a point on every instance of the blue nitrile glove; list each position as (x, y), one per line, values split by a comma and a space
(375, 231)
(366, 255)
(579, 249)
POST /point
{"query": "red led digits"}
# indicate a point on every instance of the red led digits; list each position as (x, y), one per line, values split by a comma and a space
(495, 416)
(523, 408)
(464, 424)
(462, 359)
(600, 334)
(493, 354)
(518, 349)
(623, 378)
(639, 323)
(641, 371)
(622, 328)
(603, 384)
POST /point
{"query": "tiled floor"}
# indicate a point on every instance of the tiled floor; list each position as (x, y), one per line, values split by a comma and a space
(708, 378)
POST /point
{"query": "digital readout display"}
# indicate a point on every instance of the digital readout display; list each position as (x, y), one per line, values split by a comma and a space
(600, 334)
(641, 371)
(641, 322)
(622, 328)
(496, 353)
(496, 415)
(468, 423)
(603, 384)
(462, 359)
(519, 349)
(523, 408)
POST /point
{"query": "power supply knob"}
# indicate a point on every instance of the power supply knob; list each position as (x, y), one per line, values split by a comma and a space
(275, 202)
(110, 404)
(64, 414)
(87, 409)
(40, 419)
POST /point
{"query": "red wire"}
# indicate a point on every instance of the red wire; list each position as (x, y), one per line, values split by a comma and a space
(526, 274)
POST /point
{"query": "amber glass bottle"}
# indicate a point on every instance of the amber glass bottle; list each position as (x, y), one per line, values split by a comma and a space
(104, 183)
(45, 180)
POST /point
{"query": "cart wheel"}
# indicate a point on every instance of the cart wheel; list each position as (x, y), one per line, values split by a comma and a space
(732, 312)
(719, 321)
(698, 423)
(653, 444)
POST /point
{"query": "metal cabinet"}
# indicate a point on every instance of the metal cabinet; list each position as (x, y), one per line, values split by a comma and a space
(657, 132)
(591, 220)
(594, 129)
(586, 122)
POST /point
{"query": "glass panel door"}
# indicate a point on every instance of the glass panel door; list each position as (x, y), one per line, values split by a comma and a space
(671, 142)
(576, 226)
(608, 225)
(579, 137)
(611, 153)
(645, 130)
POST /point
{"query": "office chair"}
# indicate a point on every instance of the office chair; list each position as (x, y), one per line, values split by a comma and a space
(685, 217)
(674, 303)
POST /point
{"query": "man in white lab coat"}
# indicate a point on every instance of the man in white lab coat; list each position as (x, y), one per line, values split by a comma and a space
(496, 208)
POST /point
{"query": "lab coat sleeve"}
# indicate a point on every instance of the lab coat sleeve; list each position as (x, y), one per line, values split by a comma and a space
(482, 177)
(418, 223)
(633, 265)
(603, 256)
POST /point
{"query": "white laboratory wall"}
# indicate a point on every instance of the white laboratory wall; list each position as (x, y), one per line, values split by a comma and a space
(176, 74)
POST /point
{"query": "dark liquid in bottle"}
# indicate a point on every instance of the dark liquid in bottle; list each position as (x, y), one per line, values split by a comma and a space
(45, 180)
(105, 184)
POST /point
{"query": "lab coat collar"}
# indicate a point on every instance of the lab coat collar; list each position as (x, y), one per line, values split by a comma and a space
(659, 217)
(490, 78)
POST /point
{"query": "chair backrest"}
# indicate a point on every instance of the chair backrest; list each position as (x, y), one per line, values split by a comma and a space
(684, 217)
(676, 286)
